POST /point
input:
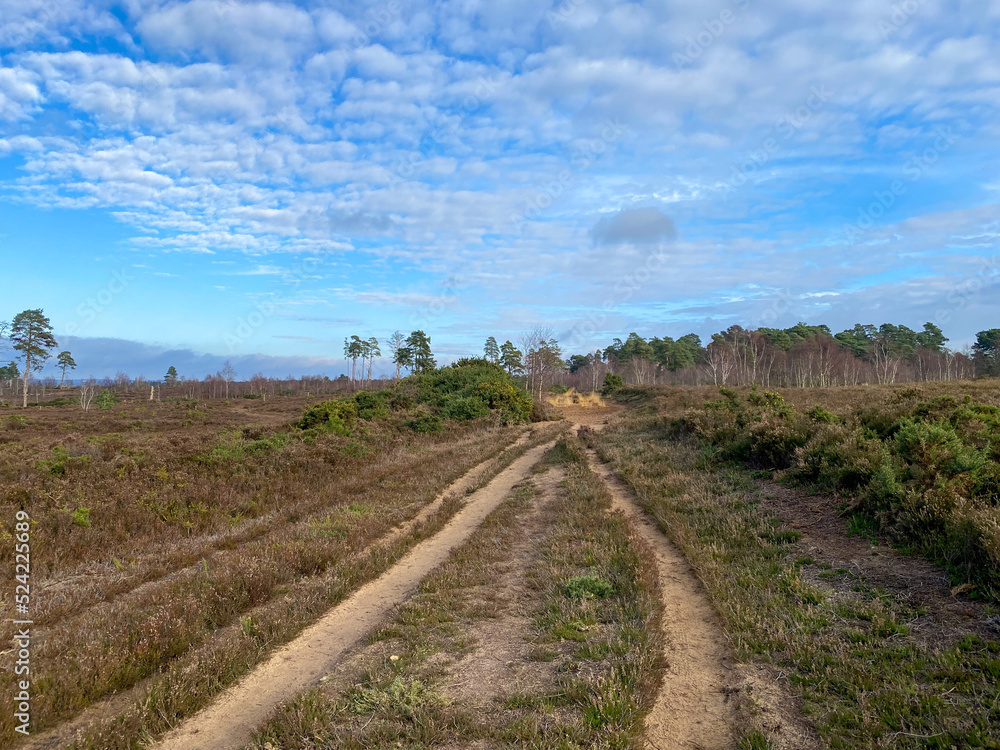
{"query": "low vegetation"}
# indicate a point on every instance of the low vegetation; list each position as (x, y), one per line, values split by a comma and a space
(871, 667)
(592, 632)
(175, 544)
(925, 471)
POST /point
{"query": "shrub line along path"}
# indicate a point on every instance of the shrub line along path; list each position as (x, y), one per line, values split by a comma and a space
(228, 723)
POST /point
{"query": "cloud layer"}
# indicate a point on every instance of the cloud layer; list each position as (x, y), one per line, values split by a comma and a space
(464, 166)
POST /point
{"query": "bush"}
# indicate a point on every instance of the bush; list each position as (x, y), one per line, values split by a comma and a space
(470, 378)
(425, 422)
(372, 404)
(928, 474)
(466, 408)
(337, 416)
(106, 399)
(81, 517)
(612, 383)
(513, 404)
(821, 415)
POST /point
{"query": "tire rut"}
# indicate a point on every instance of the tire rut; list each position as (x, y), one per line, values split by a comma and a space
(228, 723)
(692, 709)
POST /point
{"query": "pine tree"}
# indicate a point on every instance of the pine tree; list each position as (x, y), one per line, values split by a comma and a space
(31, 334)
(65, 360)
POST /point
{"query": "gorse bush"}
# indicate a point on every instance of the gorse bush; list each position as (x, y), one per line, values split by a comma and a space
(927, 473)
(470, 389)
(337, 416)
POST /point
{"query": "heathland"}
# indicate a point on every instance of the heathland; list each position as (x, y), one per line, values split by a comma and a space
(744, 567)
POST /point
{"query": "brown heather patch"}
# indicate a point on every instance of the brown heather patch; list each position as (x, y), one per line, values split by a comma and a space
(179, 547)
(822, 640)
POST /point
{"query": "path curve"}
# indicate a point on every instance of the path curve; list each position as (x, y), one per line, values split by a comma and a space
(691, 711)
(229, 722)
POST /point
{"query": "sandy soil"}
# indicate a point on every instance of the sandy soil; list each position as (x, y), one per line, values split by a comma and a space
(947, 617)
(692, 708)
(229, 722)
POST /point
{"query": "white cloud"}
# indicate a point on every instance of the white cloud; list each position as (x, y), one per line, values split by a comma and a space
(470, 136)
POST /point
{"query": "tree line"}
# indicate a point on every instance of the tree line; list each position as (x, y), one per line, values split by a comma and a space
(801, 355)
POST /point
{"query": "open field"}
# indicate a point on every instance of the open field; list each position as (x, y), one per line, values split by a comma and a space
(163, 531)
(844, 636)
(289, 574)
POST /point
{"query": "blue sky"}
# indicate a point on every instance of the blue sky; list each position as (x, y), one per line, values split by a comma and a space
(193, 181)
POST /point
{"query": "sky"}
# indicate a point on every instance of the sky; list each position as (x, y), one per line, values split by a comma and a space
(189, 182)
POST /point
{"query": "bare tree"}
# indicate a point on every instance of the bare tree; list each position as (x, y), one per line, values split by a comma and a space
(228, 374)
(87, 393)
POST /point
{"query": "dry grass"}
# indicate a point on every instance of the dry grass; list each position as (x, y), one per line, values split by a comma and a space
(572, 398)
(846, 649)
(200, 519)
(593, 633)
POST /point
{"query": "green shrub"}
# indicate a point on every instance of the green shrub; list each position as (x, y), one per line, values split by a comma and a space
(513, 403)
(468, 378)
(337, 416)
(372, 404)
(425, 422)
(106, 399)
(928, 474)
(467, 408)
(81, 517)
(16, 422)
(821, 415)
(612, 383)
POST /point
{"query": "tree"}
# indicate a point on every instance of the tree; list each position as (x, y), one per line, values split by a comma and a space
(419, 343)
(65, 360)
(491, 350)
(228, 374)
(10, 374)
(986, 351)
(87, 393)
(171, 377)
(373, 353)
(932, 338)
(403, 358)
(397, 341)
(353, 349)
(31, 334)
(510, 357)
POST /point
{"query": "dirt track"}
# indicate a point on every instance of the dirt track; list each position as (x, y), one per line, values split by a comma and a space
(691, 709)
(229, 722)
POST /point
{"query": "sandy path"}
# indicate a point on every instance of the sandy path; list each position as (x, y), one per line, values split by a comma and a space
(73, 728)
(229, 722)
(691, 710)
